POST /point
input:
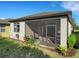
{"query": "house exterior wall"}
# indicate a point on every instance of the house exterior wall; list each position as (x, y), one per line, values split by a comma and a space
(29, 31)
(22, 30)
(21, 33)
(63, 37)
(33, 28)
(69, 28)
(7, 31)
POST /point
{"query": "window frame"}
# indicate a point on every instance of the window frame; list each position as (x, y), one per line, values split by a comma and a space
(16, 27)
(2, 28)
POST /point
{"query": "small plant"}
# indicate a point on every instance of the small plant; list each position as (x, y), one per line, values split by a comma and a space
(31, 40)
(62, 50)
(37, 42)
(71, 41)
(69, 51)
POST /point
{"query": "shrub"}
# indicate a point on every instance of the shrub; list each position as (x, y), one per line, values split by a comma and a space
(30, 40)
(77, 41)
(62, 50)
(71, 41)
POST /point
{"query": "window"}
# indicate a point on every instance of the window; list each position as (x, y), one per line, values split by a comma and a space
(2, 28)
(16, 27)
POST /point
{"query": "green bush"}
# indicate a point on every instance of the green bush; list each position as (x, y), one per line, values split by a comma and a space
(71, 40)
(62, 50)
(77, 41)
(30, 40)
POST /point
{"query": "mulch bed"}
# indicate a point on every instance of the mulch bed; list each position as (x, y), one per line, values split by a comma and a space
(68, 53)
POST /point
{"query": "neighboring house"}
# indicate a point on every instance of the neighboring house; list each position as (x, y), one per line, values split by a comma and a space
(50, 28)
(4, 28)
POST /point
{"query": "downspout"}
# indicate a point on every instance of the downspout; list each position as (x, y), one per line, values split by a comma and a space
(25, 30)
(67, 33)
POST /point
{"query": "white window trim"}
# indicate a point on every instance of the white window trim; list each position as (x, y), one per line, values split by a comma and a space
(1, 28)
(15, 27)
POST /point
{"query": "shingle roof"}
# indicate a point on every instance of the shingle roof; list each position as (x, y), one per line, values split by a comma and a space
(46, 15)
(4, 21)
(42, 15)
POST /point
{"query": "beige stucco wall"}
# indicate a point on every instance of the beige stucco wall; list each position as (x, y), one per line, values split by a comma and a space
(29, 31)
(63, 36)
(7, 31)
(21, 33)
(69, 28)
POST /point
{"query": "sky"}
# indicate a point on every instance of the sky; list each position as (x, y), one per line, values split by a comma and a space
(16, 9)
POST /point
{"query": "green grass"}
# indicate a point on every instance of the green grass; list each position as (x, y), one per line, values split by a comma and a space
(16, 49)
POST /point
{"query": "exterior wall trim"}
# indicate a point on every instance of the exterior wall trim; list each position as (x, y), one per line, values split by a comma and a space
(64, 34)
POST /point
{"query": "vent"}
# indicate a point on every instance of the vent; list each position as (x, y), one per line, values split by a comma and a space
(17, 36)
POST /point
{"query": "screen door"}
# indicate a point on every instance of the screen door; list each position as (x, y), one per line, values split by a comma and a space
(51, 32)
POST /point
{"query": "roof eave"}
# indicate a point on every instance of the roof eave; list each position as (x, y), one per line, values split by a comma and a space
(41, 16)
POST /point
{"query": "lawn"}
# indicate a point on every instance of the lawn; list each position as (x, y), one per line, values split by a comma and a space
(17, 49)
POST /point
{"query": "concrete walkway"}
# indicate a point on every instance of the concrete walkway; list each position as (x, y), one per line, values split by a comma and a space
(51, 52)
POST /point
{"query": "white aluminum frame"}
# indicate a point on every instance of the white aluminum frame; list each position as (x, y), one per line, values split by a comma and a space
(46, 29)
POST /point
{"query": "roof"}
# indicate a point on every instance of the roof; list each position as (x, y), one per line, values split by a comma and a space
(46, 15)
(4, 21)
(42, 15)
